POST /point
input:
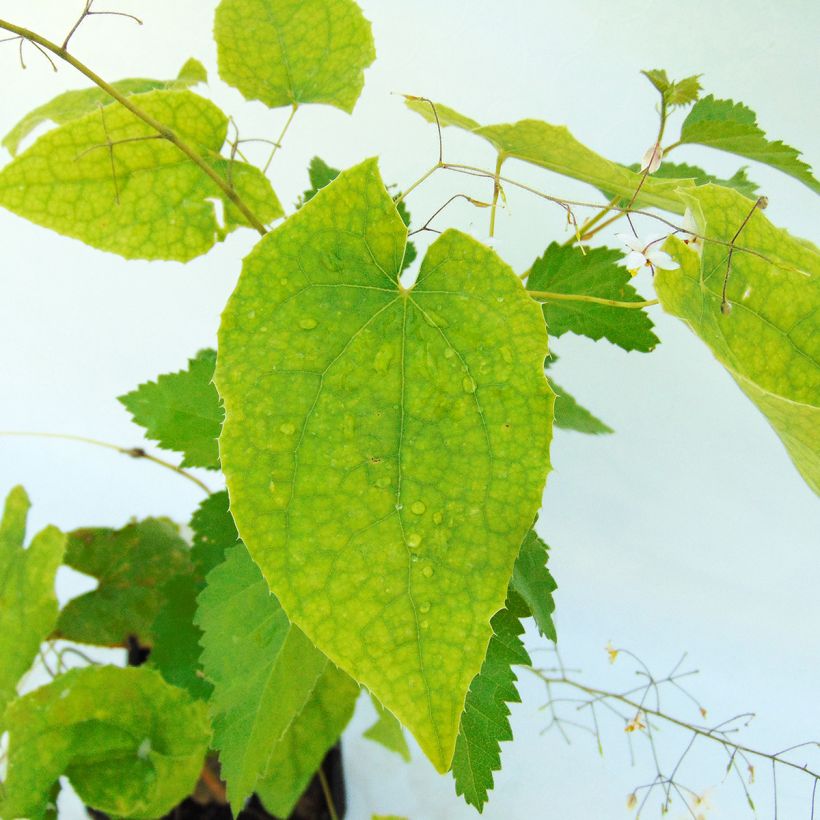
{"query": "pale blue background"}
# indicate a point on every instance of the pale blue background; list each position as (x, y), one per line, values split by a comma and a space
(687, 530)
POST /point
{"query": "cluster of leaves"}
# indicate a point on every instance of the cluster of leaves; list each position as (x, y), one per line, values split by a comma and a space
(339, 408)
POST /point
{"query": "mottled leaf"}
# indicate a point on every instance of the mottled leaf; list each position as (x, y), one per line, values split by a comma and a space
(108, 179)
(73, 104)
(214, 532)
(181, 411)
(554, 148)
(131, 745)
(485, 722)
(132, 565)
(770, 341)
(730, 126)
(289, 52)
(534, 583)
(354, 389)
(263, 670)
(321, 174)
(388, 732)
(295, 758)
(28, 605)
(596, 272)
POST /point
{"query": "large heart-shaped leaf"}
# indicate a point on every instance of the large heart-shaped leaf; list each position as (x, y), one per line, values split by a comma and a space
(385, 447)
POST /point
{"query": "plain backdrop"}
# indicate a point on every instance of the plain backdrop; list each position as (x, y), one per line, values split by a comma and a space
(687, 530)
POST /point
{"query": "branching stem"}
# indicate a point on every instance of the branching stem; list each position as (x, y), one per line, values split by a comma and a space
(710, 734)
(162, 130)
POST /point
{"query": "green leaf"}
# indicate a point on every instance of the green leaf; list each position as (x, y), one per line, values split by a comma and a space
(677, 92)
(534, 583)
(770, 342)
(730, 126)
(181, 411)
(321, 174)
(352, 388)
(110, 181)
(681, 170)
(485, 722)
(595, 272)
(214, 532)
(554, 148)
(176, 650)
(70, 105)
(131, 745)
(28, 605)
(569, 415)
(295, 758)
(289, 52)
(388, 732)
(131, 564)
(263, 670)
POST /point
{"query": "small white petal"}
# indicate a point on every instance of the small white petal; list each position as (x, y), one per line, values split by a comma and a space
(632, 242)
(635, 260)
(662, 260)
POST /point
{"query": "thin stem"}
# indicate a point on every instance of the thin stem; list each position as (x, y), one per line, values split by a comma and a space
(453, 198)
(331, 806)
(426, 175)
(134, 452)
(594, 220)
(563, 203)
(724, 303)
(578, 297)
(278, 144)
(214, 785)
(655, 147)
(707, 733)
(161, 129)
(496, 190)
(590, 234)
(670, 147)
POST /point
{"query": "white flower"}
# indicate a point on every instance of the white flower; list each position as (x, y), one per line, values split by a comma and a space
(690, 231)
(646, 253)
(652, 158)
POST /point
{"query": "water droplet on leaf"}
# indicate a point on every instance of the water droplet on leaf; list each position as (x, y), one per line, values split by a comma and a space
(307, 323)
(418, 507)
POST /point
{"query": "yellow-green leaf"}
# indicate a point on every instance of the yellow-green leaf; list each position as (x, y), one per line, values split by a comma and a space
(770, 341)
(289, 52)
(73, 104)
(553, 147)
(131, 745)
(28, 605)
(350, 402)
(108, 179)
